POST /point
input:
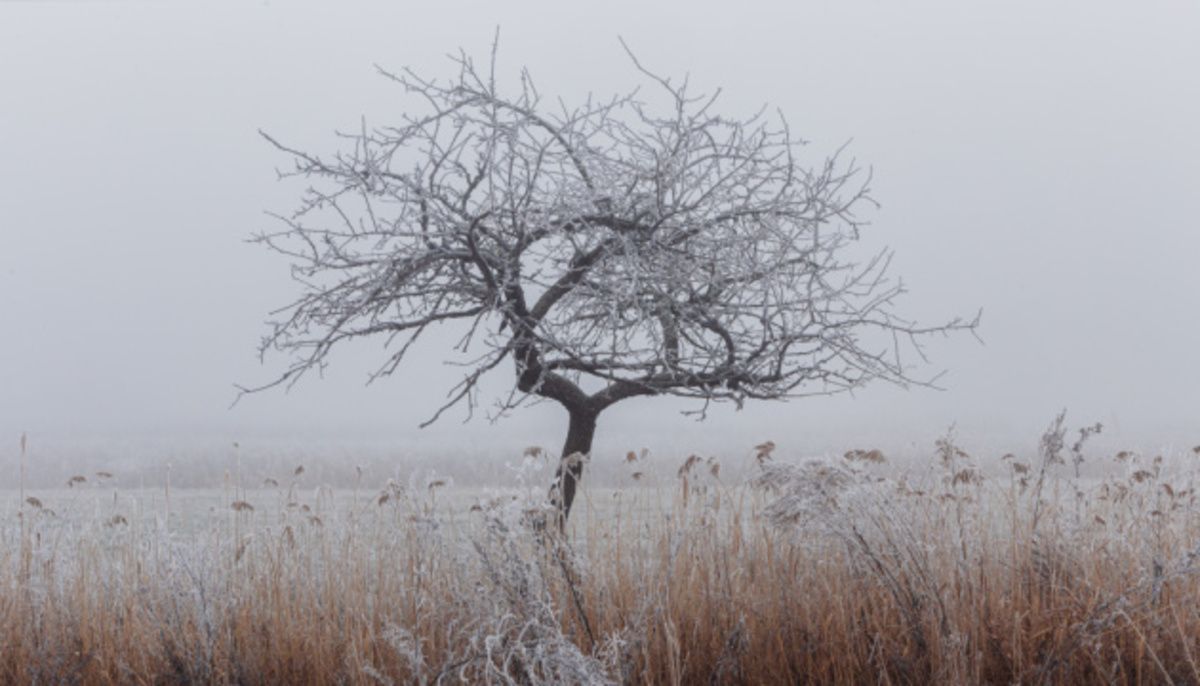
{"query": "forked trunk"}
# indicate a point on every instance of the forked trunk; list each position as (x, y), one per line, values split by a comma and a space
(570, 469)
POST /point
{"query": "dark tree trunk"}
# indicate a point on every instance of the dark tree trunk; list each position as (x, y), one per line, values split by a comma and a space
(579, 440)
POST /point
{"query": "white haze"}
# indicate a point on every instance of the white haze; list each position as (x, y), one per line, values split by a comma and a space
(1037, 160)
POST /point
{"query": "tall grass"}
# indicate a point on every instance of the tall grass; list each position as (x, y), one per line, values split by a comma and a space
(816, 572)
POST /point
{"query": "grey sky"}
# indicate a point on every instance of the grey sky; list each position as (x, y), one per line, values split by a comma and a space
(1038, 160)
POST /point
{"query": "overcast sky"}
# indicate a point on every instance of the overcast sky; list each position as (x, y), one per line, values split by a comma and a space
(1038, 160)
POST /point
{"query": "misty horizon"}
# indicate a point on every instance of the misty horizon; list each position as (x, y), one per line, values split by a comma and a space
(1044, 171)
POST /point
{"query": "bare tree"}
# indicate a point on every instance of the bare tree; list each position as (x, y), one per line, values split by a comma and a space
(615, 249)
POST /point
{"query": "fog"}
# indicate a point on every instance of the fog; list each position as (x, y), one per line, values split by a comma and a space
(1036, 160)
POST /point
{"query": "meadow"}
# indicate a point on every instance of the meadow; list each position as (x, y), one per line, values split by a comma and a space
(997, 569)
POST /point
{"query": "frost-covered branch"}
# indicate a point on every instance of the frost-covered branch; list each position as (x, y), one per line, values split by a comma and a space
(655, 250)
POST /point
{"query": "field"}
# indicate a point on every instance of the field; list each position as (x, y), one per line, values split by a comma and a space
(999, 570)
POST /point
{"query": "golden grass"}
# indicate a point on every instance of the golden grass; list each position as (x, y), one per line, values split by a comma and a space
(820, 573)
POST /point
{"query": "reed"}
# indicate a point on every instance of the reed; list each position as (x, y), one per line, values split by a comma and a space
(820, 572)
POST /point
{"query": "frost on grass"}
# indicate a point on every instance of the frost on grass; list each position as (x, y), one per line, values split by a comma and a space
(989, 569)
(511, 629)
(815, 493)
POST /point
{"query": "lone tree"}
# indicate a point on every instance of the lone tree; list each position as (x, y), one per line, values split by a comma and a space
(610, 250)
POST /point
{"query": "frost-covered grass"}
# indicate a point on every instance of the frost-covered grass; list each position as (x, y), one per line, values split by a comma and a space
(825, 571)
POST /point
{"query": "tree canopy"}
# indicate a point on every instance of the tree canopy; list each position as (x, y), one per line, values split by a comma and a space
(636, 245)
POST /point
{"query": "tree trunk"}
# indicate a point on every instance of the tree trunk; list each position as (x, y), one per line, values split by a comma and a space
(570, 469)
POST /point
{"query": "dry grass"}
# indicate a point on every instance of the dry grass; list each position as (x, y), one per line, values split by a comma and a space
(819, 572)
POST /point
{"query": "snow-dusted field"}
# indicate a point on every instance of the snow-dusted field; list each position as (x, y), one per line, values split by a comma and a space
(809, 571)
